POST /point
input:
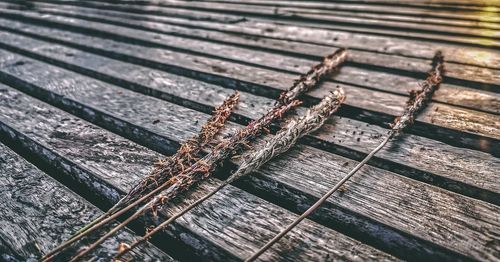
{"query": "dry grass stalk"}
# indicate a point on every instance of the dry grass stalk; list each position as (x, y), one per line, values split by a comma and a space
(188, 153)
(417, 102)
(197, 172)
(164, 169)
(227, 148)
(311, 79)
(280, 143)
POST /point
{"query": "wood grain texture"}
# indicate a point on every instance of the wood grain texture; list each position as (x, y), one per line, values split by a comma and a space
(291, 8)
(285, 12)
(363, 75)
(305, 7)
(441, 160)
(311, 21)
(365, 213)
(254, 29)
(218, 230)
(38, 213)
(448, 93)
(405, 7)
(385, 9)
(374, 105)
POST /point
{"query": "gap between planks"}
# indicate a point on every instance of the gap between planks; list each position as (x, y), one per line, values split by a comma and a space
(218, 230)
(146, 120)
(203, 97)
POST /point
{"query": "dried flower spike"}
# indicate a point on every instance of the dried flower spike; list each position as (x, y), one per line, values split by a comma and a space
(311, 79)
(187, 153)
(419, 98)
(414, 105)
(281, 142)
(226, 148)
(165, 168)
(197, 172)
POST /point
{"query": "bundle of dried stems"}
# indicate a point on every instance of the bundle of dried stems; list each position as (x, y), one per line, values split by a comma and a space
(418, 100)
(280, 143)
(167, 167)
(224, 150)
(197, 172)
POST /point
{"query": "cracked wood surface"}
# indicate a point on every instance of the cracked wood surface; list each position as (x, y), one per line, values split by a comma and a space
(130, 112)
(434, 157)
(448, 93)
(310, 21)
(38, 213)
(218, 230)
(136, 78)
(370, 105)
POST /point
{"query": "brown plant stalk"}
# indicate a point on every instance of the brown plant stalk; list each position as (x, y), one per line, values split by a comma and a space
(198, 171)
(280, 143)
(311, 79)
(417, 102)
(164, 169)
(228, 148)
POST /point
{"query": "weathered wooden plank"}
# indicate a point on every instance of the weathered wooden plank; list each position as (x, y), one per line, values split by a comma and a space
(227, 228)
(284, 12)
(38, 213)
(473, 3)
(260, 28)
(400, 20)
(461, 74)
(204, 97)
(304, 7)
(365, 213)
(433, 6)
(374, 105)
(315, 22)
(270, 33)
(472, 16)
(448, 93)
(378, 21)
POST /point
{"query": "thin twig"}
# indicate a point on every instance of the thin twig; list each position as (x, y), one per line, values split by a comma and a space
(164, 169)
(281, 142)
(226, 149)
(417, 102)
(200, 170)
(311, 79)
(307, 82)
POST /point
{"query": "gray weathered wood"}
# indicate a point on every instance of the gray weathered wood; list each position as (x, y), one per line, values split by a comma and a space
(268, 14)
(227, 229)
(448, 93)
(456, 73)
(416, 223)
(254, 29)
(441, 159)
(413, 5)
(289, 7)
(38, 213)
(284, 12)
(386, 9)
(370, 8)
(320, 15)
(374, 105)
(422, 3)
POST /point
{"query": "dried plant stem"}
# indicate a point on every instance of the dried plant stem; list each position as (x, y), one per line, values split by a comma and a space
(187, 153)
(311, 79)
(164, 169)
(281, 142)
(415, 104)
(200, 170)
(226, 149)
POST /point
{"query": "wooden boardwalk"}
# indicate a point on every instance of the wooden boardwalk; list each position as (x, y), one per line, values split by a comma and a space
(93, 92)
